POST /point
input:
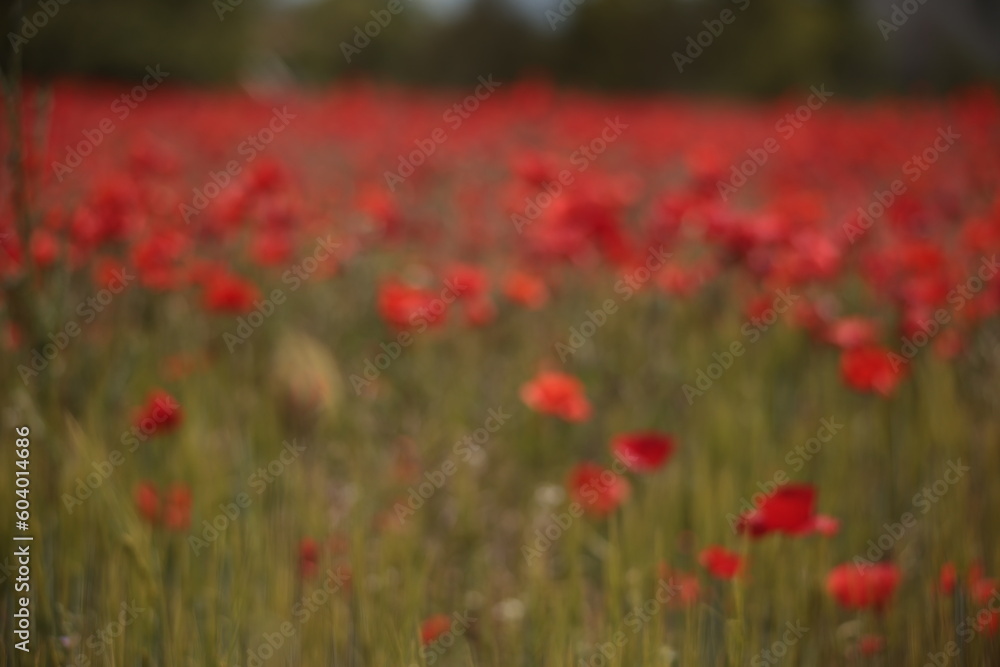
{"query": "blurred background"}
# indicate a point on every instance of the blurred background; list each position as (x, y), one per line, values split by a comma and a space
(770, 47)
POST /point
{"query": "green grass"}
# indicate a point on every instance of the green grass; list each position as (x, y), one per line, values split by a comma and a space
(462, 550)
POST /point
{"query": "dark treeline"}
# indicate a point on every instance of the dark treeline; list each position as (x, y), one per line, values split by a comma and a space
(759, 47)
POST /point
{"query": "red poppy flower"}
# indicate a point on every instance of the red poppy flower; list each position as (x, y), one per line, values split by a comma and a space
(684, 586)
(226, 293)
(720, 562)
(871, 645)
(559, 394)
(266, 175)
(852, 332)
(44, 248)
(825, 525)
(160, 415)
(789, 510)
(863, 587)
(948, 578)
(677, 281)
(403, 307)
(480, 311)
(644, 451)
(872, 369)
(525, 289)
(688, 589)
(434, 627)
(308, 557)
(987, 621)
(600, 491)
(177, 509)
(983, 589)
(272, 248)
(467, 281)
(147, 501)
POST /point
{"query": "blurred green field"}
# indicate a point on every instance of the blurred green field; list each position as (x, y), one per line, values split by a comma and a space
(462, 550)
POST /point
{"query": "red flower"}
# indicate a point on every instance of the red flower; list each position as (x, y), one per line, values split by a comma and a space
(433, 627)
(526, 290)
(863, 587)
(403, 307)
(480, 311)
(852, 332)
(684, 587)
(720, 562)
(225, 293)
(177, 509)
(948, 578)
(643, 452)
(983, 589)
(44, 248)
(871, 644)
(271, 248)
(147, 501)
(559, 394)
(789, 510)
(466, 281)
(987, 621)
(161, 414)
(598, 489)
(825, 525)
(872, 369)
(308, 557)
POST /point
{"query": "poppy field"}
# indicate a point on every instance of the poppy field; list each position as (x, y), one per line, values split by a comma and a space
(513, 375)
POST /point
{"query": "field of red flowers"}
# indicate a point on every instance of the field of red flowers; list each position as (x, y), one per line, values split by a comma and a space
(510, 375)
